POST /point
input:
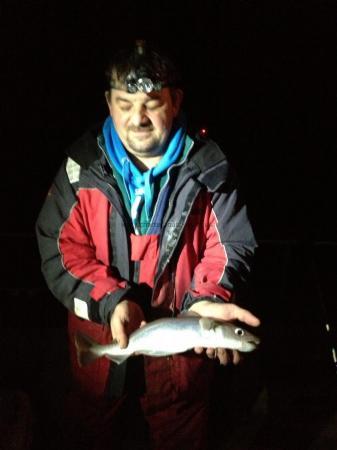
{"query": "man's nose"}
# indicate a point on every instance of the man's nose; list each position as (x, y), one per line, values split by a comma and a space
(139, 117)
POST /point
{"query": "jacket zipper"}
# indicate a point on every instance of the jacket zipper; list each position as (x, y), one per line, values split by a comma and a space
(168, 176)
(188, 211)
(136, 264)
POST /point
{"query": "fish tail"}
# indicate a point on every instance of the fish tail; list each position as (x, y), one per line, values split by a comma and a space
(118, 359)
(84, 346)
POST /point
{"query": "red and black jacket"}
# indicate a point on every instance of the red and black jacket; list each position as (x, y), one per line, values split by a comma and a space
(91, 258)
(86, 239)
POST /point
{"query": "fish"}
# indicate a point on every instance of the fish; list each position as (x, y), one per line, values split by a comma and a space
(169, 336)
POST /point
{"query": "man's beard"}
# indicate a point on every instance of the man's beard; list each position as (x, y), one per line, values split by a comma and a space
(143, 144)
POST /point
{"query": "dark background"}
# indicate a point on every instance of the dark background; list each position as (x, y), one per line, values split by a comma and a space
(259, 74)
(261, 77)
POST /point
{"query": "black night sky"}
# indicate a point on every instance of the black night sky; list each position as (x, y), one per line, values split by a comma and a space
(259, 75)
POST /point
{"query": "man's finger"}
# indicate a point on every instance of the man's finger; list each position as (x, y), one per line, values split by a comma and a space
(225, 311)
(236, 357)
(198, 350)
(123, 340)
(222, 355)
(211, 353)
(118, 332)
(243, 315)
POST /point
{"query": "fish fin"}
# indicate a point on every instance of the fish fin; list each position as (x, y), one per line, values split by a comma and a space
(207, 323)
(84, 345)
(187, 313)
(118, 359)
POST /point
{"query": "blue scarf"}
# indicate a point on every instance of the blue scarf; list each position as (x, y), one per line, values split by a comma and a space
(139, 185)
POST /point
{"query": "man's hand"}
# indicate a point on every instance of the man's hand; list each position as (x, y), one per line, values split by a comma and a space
(227, 312)
(126, 318)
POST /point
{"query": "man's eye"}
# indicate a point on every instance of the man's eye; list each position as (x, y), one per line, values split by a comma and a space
(153, 105)
(124, 107)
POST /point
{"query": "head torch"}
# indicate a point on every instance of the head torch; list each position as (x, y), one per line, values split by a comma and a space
(134, 84)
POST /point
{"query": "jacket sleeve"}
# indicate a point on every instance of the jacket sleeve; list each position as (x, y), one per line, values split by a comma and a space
(229, 247)
(84, 284)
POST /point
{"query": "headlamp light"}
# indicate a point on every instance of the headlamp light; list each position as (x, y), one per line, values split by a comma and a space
(142, 84)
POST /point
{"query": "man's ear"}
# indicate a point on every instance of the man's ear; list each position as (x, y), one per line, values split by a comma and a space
(107, 95)
(108, 100)
(177, 98)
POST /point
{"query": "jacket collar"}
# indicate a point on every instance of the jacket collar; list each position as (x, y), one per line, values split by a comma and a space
(206, 162)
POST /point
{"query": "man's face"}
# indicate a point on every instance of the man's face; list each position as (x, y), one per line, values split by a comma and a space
(143, 121)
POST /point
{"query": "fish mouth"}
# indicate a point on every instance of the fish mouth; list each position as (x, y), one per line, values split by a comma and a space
(255, 342)
(250, 345)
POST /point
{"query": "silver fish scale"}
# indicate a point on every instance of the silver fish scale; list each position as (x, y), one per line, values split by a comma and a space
(167, 336)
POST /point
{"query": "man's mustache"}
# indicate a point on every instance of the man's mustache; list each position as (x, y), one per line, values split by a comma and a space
(141, 128)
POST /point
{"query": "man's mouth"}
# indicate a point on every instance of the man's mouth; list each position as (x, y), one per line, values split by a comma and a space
(142, 131)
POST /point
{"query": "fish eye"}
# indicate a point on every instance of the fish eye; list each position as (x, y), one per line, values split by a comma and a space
(239, 331)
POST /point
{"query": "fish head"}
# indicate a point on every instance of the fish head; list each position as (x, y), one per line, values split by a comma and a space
(235, 337)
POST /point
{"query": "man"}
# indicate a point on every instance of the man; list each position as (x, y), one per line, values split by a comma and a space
(142, 222)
